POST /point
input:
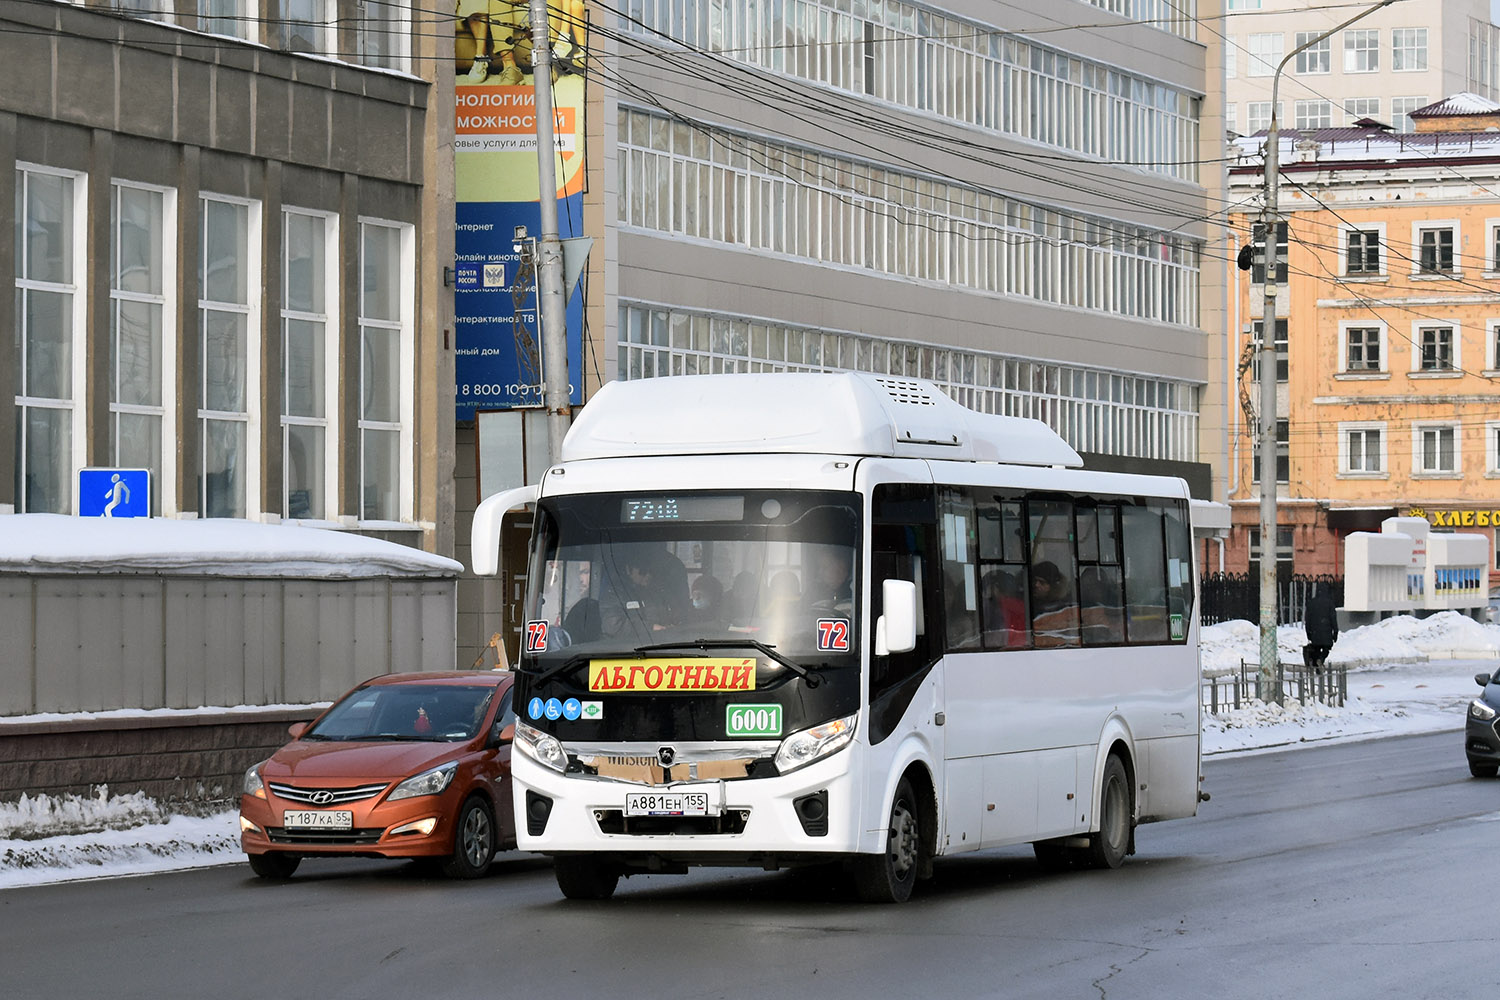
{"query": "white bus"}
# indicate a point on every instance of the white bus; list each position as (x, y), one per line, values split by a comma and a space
(785, 619)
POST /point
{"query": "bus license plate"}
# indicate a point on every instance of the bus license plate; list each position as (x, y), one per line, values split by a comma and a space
(318, 819)
(667, 804)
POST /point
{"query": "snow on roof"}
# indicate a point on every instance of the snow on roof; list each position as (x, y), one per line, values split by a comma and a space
(57, 543)
(1459, 104)
(1355, 147)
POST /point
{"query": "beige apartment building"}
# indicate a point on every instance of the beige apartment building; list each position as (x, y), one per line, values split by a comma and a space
(1388, 337)
(1382, 67)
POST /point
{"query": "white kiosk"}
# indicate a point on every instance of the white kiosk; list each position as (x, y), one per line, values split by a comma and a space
(1406, 568)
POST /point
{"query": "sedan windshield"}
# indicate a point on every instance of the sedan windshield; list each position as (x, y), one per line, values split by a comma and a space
(433, 712)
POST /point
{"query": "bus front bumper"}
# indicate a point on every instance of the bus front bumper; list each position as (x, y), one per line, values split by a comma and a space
(796, 818)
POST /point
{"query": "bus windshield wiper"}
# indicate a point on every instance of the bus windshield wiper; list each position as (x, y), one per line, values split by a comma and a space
(542, 676)
(755, 644)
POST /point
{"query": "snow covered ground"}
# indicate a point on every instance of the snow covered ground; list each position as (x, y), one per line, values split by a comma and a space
(1405, 676)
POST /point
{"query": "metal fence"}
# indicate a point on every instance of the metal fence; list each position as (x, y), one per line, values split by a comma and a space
(1236, 596)
(1326, 685)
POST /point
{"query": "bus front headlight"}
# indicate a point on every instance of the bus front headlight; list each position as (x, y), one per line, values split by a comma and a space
(801, 749)
(544, 749)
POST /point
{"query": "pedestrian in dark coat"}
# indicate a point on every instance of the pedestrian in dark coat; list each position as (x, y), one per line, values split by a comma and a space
(1322, 626)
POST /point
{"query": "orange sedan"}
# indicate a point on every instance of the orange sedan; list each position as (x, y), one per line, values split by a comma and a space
(403, 766)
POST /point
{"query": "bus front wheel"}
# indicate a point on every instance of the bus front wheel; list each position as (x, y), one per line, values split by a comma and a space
(888, 877)
(583, 877)
(1108, 847)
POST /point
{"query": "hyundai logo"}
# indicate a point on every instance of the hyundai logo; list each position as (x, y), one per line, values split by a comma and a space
(321, 797)
(666, 755)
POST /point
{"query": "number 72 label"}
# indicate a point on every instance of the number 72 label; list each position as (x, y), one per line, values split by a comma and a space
(536, 636)
(833, 634)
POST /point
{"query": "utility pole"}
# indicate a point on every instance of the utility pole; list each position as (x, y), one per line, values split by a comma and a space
(1269, 656)
(551, 304)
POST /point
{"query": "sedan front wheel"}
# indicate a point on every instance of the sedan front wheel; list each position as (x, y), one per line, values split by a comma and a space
(473, 840)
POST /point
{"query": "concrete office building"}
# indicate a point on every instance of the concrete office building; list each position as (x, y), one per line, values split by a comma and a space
(1018, 201)
(230, 225)
(1383, 67)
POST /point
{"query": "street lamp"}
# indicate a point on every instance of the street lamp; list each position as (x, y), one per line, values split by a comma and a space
(1269, 657)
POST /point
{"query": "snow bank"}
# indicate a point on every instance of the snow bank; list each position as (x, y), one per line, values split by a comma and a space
(1446, 635)
(57, 543)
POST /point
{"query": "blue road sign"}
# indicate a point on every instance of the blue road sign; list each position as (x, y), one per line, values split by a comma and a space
(114, 493)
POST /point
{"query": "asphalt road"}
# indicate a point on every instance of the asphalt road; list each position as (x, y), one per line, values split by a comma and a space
(1356, 870)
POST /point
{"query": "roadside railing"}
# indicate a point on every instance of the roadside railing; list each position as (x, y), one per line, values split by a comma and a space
(1326, 685)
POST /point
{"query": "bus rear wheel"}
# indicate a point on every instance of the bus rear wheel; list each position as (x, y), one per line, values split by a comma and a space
(888, 877)
(581, 876)
(1108, 847)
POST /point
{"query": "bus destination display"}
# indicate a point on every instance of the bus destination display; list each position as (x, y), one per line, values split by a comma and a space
(683, 508)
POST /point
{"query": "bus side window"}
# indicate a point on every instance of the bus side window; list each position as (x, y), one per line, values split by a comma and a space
(1004, 612)
(960, 574)
(1054, 574)
(903, 546)
(1145, 575)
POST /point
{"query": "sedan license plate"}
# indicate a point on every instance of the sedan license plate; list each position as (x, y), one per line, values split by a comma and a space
(318, 819)
(667, 804)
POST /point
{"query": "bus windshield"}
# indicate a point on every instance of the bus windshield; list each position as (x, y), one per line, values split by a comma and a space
(616, 573)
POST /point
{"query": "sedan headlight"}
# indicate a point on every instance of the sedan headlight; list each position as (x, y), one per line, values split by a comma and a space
(801, 749)
(253, 785)
(1480, 712)
(427, 783)
(544, 749)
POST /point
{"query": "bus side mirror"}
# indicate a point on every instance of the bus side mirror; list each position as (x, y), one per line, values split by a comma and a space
(896, 630)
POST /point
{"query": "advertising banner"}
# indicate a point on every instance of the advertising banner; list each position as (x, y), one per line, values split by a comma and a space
(495, 157)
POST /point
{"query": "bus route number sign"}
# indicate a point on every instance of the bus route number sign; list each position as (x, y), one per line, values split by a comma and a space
(753, 720)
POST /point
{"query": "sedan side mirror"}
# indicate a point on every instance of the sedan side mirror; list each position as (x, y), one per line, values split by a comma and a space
(502, 736)
(1482, 680)
(297, 729)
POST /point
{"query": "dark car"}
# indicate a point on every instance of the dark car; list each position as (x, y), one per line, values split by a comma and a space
(1481, 741)
(403, 766)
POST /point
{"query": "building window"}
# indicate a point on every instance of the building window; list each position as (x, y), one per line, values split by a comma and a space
(1362, 449)
(1285, 540)
(1362, 51)
(1436, 453)
(1258, 115)
(1435, 249)
(1231, 118)
(1258, 269)
(1362, 349)
(309, 364)
(1408, 49)
(229, 355)
(1244, 4)
(385, 370)
(381, 39)
(1362, 251)
(1435, 348)
(1401, 109)
(1357, 108)
(1494, 346)
(1494, 261)
(1314, 114)
(158, 9)
(1492, 450)
(1231, 57)
(226, 17)
(1266, 52)
(1281, 357)
(1283, 454)
(48, 337)
(301, 26)
(141, 338)
(1315, 58)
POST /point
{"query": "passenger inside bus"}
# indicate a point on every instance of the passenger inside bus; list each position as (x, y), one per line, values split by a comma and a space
(708, 598)
(636, 600)
(1005, 622)
(1054, 610)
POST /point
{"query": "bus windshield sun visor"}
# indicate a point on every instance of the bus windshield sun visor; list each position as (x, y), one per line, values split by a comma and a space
(755, 644)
